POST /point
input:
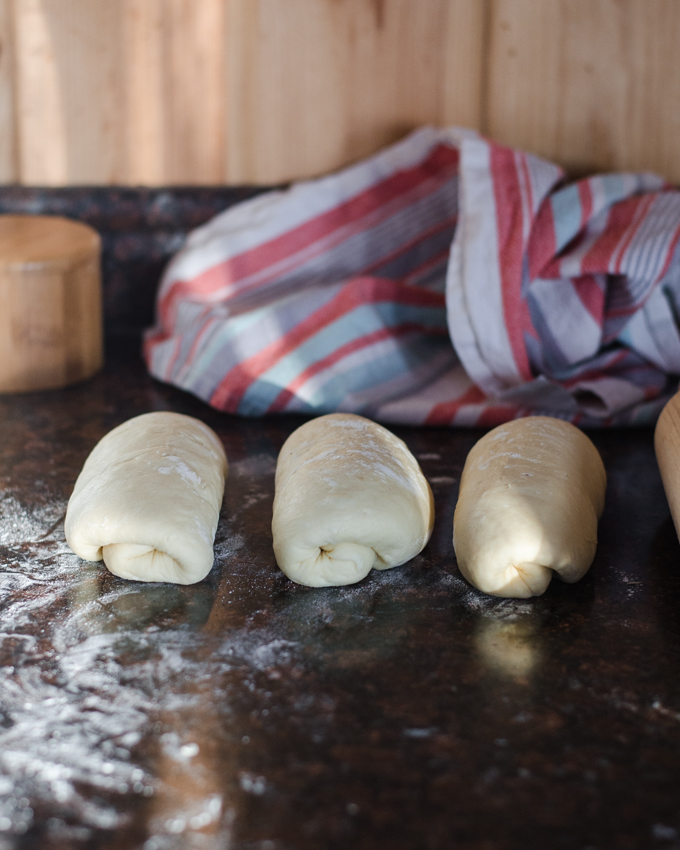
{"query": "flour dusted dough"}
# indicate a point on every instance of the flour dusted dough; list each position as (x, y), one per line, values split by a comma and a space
(531, 494)
(148, 499)
(349, 496)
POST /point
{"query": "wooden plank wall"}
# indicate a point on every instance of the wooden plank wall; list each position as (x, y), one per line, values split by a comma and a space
(261, 91)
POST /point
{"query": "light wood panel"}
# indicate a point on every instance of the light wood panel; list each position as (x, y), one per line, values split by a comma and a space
(120, 91)
(41, 120)
(8, 151)
(178, 91)
(320, 84)
(594, 84)
(173, 114)
(261, 91)
(141, 126)
(196, 83)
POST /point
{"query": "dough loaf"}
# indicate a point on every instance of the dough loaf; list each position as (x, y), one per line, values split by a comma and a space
(349, 496)
(531, 494)
(148, 499)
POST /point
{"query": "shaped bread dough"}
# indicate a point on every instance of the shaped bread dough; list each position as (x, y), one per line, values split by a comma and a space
(531, 494)
(148, 499)
(349, 496)
(667, 449)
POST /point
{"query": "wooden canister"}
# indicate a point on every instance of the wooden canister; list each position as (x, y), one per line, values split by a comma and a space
(50, 302)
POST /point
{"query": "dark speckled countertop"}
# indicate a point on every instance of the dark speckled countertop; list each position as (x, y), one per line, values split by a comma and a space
(250, 713)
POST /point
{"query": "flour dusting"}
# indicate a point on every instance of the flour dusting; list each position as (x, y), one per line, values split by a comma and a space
(93, 669)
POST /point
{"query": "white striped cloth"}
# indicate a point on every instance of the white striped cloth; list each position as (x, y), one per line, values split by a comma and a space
(447, 280)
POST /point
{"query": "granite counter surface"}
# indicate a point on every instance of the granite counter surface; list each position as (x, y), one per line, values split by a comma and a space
(247, 712)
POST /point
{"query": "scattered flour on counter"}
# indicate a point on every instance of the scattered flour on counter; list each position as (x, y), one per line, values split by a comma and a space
(253, 784)
(101, 687)
(87, 678)
(264, 656)
(498, 607)
(228, 547)
(19, 524)
(254, 466)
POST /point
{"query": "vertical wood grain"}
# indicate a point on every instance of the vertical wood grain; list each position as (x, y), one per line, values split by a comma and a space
(195, 74)
(42, 143)
(143, 93)
(9, 167)
(120, 91)
(464, 47)
(315, 84)
(50, 303)
(174, 91)
(594, 84)
(207, 91)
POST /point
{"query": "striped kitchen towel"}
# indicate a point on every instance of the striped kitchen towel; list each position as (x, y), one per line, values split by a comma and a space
(447, 280)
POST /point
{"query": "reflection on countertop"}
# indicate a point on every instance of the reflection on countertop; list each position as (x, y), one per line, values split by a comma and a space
(248, 712)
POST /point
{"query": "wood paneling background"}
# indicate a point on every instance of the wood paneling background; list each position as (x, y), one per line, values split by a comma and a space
(259, 91)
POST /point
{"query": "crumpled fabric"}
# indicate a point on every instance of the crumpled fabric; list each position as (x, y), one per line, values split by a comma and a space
(447, 280)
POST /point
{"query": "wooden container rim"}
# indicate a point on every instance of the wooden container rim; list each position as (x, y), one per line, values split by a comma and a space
(82, 241)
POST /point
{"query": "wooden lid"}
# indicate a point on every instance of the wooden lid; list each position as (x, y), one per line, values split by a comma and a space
(41, 239)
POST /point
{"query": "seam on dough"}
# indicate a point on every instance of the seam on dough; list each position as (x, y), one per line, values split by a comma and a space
(522, 575)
